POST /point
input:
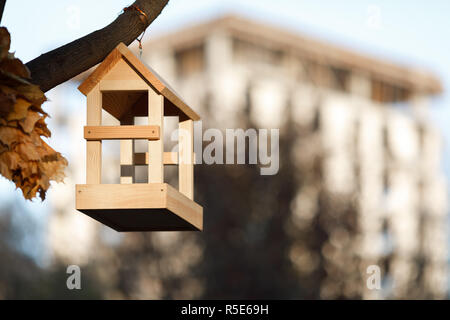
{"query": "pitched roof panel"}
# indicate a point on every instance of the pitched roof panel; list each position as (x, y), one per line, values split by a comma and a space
(147, 74)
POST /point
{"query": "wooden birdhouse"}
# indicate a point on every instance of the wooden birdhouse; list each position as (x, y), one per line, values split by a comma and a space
(125, 87)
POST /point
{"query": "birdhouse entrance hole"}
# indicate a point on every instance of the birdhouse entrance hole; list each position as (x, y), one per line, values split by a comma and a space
(126, 88)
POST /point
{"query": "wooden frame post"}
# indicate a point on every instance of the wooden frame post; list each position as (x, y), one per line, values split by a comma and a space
(186, 156)
(127, 171)
(94, 148)
(156, 148)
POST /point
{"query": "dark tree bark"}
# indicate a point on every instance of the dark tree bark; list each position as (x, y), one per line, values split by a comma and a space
(61, 64)
(2, 7)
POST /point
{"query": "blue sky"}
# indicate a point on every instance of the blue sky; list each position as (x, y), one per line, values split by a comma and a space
(408, 32)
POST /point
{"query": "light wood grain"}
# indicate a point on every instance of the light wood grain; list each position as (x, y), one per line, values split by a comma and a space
(127, 170)
(122, 71)
(139, 207)
(120, 196)
(123, 54)
(123, 85)
(185, 155)
(156, 148)
(121, 132)
(103, 68)
(160, 85)
(94, 148)
(185, 207)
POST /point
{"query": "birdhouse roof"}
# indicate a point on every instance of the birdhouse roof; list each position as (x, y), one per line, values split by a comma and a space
(144, 71)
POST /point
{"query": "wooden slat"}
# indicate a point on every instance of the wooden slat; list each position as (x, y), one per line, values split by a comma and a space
(104, 67)
(94, 148)
(169, 158)
(185, 154)
(185, 207)
(122, 71)
(157, 82)
(123, 85)
(121, 132)
(120, 196)
(156, 148)
(127, 170)
(139, 207)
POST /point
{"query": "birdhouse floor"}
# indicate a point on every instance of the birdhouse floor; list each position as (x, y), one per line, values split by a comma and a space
(139, 207)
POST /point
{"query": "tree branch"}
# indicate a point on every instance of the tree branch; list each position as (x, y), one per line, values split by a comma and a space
(2, 7)
(61, 64)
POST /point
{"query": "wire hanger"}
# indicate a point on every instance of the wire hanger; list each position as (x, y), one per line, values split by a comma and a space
(142, 13)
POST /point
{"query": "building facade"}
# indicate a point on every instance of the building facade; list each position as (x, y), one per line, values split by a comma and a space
(370, 194)
(364, 120)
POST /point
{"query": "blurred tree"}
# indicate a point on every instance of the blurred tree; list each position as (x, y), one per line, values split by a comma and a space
(22, 278)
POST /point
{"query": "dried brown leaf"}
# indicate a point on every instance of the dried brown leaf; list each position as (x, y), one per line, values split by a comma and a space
(9, 136)
(6, 104)
(28, 123)
(5, 171)
(16, 67)
(12, 160)
(41, 128)
(32, 93)
(25, 158)
(28, 151)
(5, 41)
(20, 110)
(3, 148)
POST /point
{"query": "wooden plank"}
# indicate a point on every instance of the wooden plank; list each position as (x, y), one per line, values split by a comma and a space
(157, 82)
(156, 148)
(185, 154)
(123, 85)
(169, 158)
(94, 148)
(127, 170)
(184, 207)
(89, 84)
(180, 104)
(144, 71)
(121, 132)
(122, 70)
(139, 207)
(140, 106)
(120, 196)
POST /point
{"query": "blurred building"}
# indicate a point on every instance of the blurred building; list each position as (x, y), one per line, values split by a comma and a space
(371, 189)
(365, 119)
